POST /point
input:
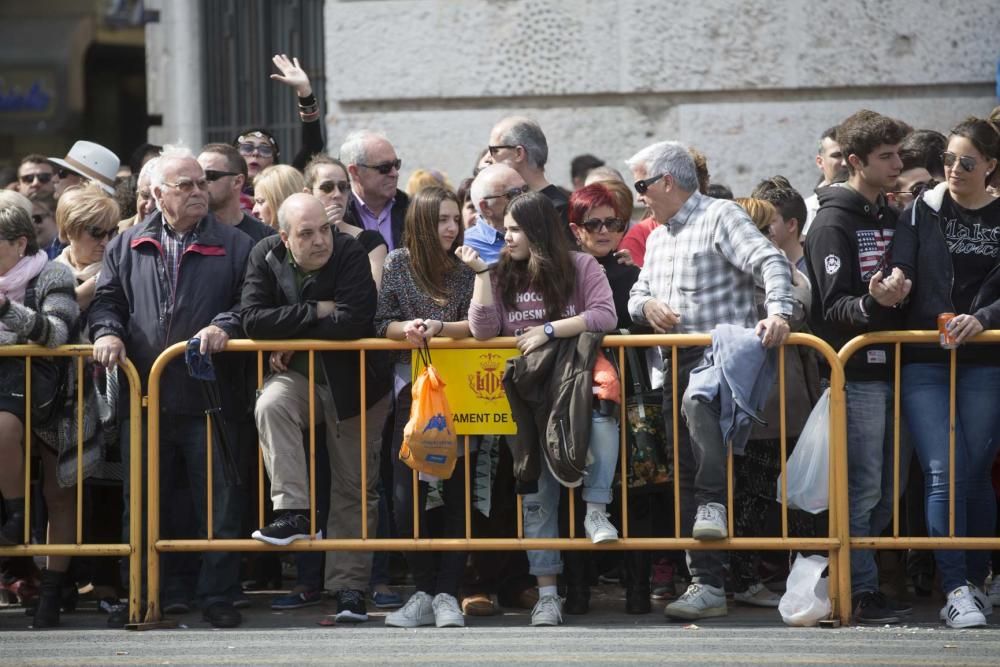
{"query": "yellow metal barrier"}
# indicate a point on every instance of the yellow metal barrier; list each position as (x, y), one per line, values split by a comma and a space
(834, 543)
(132, 549)
(898, 339)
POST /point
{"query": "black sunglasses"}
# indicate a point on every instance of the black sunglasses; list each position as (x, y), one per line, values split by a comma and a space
(97, 233)
(66, 173)
(329, 186)
(916, 188)
(643, 185)
(211, 175)
(493, 149)
(510, 194)
(967, 163)
(41, 177)
(613, 225)
(385, 168)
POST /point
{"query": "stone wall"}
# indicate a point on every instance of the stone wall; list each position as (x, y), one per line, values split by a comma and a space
(751, 83)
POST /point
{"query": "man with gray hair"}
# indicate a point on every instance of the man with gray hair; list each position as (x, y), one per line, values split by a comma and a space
(520, 144)
(699, 273)
(176, 276)
(491, 191)
(310, 282)
(375, 202)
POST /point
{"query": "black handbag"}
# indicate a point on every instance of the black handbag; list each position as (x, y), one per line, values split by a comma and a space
(649, 456)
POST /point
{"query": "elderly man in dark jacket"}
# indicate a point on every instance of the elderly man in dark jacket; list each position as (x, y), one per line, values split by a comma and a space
(174, 277)
(311, 282)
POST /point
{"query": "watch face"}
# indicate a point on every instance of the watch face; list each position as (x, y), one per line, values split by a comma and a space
(549, 330)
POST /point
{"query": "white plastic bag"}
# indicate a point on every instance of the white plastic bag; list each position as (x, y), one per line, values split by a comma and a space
(809, 465)
(806, 600)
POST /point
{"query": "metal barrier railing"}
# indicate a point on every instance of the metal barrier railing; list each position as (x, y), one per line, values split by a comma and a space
(834, 543)
(898, 339)
(133, 548)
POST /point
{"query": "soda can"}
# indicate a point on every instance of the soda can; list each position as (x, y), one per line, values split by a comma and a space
(947, 339)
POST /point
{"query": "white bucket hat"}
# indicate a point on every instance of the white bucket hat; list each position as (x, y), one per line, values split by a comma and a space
(92, 161)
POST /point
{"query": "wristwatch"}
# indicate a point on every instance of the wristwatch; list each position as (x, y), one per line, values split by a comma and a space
(549, 330)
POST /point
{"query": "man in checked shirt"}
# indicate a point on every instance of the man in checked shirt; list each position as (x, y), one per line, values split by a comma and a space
(698, 273)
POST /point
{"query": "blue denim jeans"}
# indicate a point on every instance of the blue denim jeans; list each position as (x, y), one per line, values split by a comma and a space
(977, 438)
(541, 509)
(869, 472)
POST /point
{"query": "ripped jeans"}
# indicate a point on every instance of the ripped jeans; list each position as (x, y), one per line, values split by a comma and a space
(541, 509)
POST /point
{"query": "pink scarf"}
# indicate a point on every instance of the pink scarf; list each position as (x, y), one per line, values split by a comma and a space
(14, 283)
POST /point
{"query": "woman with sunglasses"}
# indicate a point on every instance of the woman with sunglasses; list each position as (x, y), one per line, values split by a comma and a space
(327, 179)
(36, 306)
(427, 292)
(948, 246)
(539, 291)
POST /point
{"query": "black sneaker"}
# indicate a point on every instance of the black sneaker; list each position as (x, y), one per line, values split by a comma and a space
(871, 608)
(898, 607)
(285, 529)
(351, 606)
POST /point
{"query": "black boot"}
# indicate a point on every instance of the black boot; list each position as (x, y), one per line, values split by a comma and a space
(47, 614)
(637, 582)
(12, 530)
(68, 597)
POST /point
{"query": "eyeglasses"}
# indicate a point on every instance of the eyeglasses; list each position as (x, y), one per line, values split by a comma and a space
(510, 194)
(329, 186)
(643, 185)
(187, 187)
(613, 225)
(247, 149)
(493, 149)
(211, 175)
(97, 233)
(42, 177)
(66, 173)
(915, 189)
(967, 163)
(384, 168)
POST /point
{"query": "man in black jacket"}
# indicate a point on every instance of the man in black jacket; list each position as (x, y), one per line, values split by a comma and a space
(846, 250)
(311, 282)
(177, 276)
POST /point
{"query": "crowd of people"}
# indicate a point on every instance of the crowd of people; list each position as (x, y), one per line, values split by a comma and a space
(228, 242)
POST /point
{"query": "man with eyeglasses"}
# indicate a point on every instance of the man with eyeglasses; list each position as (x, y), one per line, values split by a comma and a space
(35, 174)
(173, 277)
(491, 191)
(699, 272)
(520, 144)
(375, 201)
(226, 173)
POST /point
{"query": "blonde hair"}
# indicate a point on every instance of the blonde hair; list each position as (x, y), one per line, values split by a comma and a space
(427, 178)
(85, 206)
(277, 183)
(760, 211)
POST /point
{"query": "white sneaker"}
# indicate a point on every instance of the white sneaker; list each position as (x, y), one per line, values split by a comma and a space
(598, 528)
(995, 590)
(961, 610)
(547, 611)
(983, 601)
(758, 595)
(417, 611)
(446, 611)
(710, 522)
(698, 601)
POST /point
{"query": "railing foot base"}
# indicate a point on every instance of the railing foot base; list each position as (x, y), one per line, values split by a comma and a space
(830, 623)
(152, 625)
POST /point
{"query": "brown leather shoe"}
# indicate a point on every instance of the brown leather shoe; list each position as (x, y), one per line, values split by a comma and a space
(479, 604)
(528, 598)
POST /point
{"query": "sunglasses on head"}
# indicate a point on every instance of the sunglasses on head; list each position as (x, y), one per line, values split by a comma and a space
(643, 185)
(384, 168)
(247, 149)
(594, 225)
(212, 175)
(509, 194)
(98, 233)
(41, 177)
(967, 163)
(326, 187)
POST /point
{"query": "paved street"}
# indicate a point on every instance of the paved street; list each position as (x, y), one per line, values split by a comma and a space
(605, 636)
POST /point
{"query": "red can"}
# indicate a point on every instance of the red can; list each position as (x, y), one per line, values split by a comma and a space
(947, 339)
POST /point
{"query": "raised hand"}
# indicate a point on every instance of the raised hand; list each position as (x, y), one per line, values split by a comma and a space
(292, 74)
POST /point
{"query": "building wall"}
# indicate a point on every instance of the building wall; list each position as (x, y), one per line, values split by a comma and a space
(750, 83)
